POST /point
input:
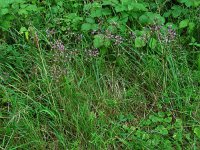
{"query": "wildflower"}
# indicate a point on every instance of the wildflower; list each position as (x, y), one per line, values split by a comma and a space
(94, 52)
(58, 45)
(132, 35)
(169, 36)
(50, 32)
(171, 33)
(118, 40)
(109, 35)
(155, 28)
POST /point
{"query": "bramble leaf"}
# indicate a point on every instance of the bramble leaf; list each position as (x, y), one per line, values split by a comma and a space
(184, 23)
(86, 27)
(197, 131)
(139, 42)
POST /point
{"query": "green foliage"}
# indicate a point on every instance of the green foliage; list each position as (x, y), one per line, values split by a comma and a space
(184, 23)
(104, 74)
(189, 3)
(100, 40)
(152, 43)
(11, 10)
(139, 42)
(197, 131)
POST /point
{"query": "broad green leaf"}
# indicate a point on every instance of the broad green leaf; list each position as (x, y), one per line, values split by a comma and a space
(137, 7)
(23, 12)
(184, 23)
(87, 7)
(98, 40)
(124, 17)
(125, 2)
(139, 42)
(167, 14)
(113, 19)
(106, 12)
(120, 8)
(162, 130)
(197, 131)
(110, 2)
(168, 119)
(31, 8)
(154, 119)
(5, 24)
(96, 12)
(86, 27)
(178, 136)
(151, 18)
(112, 29)
(189, 3)
(90, 20)
(22, 30)
(177, 10)
(106, 42)
(152, 43)
(4, 11)
(191, 26)
(144, 19)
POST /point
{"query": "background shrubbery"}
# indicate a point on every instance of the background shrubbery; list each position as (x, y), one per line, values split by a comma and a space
(104, 74)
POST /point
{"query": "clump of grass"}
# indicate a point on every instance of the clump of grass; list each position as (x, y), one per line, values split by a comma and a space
(126, 85)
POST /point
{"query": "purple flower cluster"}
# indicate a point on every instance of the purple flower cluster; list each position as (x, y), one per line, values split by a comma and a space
(50, 32)
(94, 52)
(132, 35)
(155, 28)
(171, 33)
(166, 35)
(58, 45)
(116, 38)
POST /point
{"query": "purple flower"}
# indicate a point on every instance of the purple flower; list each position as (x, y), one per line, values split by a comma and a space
(94, 52)
(58, 45)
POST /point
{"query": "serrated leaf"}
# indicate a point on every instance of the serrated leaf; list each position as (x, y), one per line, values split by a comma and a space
(162, 130)
(167, 14)
(86, 27)
(22, 30)
(98, 40)
(94, 27)
(4, 11)
(152, 43)
(151, 18)
(96, 13)
(177, 10)
(106, 42)
(106, 12)
(183, 23)
(110, 2)
(191, 26)
(113, 19)
(90, 20)
(120, 8)
(5, 24)
(137, 7)
(31, 8)
(144, 19)
(22, 12)
(197, 131)
(139, 42)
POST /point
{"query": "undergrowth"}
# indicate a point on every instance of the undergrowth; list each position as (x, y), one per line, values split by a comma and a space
(104, 74)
